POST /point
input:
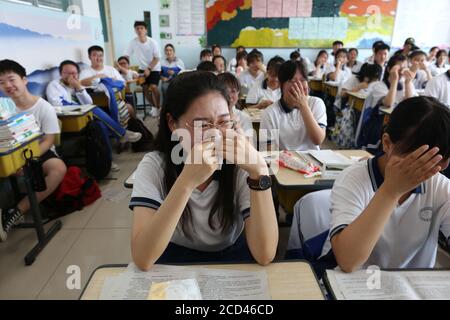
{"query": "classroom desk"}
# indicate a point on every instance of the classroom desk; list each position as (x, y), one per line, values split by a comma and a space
(315, 84)
(129, 182)
(255, 116)
(291, 180)
(74, 118)
(387, 114)
(10, 162)
(356, 100)
(287, 280)
(331, 88)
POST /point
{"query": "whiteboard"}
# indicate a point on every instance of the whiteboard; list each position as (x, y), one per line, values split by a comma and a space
(427, 21)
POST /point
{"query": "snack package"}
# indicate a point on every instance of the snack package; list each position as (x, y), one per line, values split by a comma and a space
(175, 290)
(290, 161)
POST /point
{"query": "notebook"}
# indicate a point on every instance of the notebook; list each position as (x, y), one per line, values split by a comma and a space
(331, 159)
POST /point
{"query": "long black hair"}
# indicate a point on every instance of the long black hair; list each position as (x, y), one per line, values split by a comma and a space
(371, 71)
(392, 62)
(438, 55)
(273, 67)
(420, 121)
(182, 92)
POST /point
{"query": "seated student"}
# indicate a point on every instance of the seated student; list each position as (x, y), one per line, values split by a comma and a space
(397, 84)
(439, 88)
(220, 63)
(123, 66)
(68, 91)
(171, 66)
(234, 88)
(181, 212)
(431, 58)
(408, 47)
(241, 64)
(337, 45)
(440, 66)
(363, 81)
(91, 76)
(382, 56)
(417, 60)
(388, 211)
(216, 50)
(300, 119)
(266, 93)
(254, 73)
(207, 66)
(231, 67)
(352, 60)
(320, 65)
(13, 83)
(339, 72)
(206, 55)
(371, 59)
(297, 56)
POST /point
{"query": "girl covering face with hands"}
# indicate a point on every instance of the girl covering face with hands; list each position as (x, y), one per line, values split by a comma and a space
(190, 211)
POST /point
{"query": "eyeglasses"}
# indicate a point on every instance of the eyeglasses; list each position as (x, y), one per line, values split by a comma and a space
(224, 125)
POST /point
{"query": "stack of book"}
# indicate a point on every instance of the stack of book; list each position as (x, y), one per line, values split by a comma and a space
(16, 130)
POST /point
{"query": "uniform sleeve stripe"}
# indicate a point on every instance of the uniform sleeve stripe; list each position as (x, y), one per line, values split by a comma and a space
(322, 125)
(338, 229)
(144, 202)
(246, 213)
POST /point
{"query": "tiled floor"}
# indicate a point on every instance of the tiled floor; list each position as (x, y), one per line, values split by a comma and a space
(98, 235)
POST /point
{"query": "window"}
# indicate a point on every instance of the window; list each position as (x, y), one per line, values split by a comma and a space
(57, 5)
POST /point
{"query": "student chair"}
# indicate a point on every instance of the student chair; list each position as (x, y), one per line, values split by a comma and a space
(310, 230)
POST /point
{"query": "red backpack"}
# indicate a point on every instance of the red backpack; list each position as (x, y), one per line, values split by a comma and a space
(74, 193)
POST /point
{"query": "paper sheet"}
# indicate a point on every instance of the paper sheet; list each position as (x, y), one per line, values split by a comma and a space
(274, 8)
(259, 8)
(326, 28)
(289, 8)
(403, 285)
(296, 28)
(304, 8)
(214, 284)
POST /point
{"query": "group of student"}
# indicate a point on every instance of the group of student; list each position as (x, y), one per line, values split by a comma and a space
(386, 211)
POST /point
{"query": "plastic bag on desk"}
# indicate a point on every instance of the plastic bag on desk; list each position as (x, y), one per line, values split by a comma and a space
(290, 161)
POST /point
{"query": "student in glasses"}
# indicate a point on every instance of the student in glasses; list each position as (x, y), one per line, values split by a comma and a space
(192, 208)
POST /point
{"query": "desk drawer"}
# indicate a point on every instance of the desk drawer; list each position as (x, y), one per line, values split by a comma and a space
(11, 163)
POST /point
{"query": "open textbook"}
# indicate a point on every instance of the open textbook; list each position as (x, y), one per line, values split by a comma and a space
(389, 285)
(214, 284)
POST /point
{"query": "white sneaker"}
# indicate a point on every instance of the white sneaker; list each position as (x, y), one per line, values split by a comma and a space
(155, 113)
(115, 167)
(131, 136)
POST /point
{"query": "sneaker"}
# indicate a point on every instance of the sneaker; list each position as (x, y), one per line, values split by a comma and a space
(115, 167)
(155, 113)
(131, 136)
(9, 219)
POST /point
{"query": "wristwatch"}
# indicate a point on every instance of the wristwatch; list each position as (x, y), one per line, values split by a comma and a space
(262, 184)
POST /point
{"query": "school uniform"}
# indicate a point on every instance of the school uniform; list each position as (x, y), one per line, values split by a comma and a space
(421, 79)
(437, 70)
(247, 80)
(439, 88)
(231, 67)
(321, 71)
(343, 75)
(47, 120)
(108, 71)
(149, 192)
(410, 236)
(292, 131)
(130, 75)
(331, 59)
(145, 53)
(59, 94)
(349, 85)
(356, 67)
(244, 120)
(381, 90)
(176, 66)
(370, 60)
(260, 92)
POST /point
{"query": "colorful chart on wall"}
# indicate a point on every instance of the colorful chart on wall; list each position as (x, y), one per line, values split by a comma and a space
(299, 23)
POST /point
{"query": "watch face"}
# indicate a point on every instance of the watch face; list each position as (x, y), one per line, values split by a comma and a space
(265, 182)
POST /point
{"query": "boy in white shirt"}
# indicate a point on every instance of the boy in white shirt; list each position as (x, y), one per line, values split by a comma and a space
(13, 83)
(146, 51)
(439, 88)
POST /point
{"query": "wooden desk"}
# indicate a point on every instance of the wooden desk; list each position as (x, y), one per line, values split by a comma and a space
(75, 121)
(331, 88)
(287, 280)
(255, 115)
(356, 100)
(315, 84)
(292, 180)
(10, 162)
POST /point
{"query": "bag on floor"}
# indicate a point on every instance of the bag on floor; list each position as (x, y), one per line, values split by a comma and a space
(344, 130)
(75, 192)
(147, 141)
(98, 151)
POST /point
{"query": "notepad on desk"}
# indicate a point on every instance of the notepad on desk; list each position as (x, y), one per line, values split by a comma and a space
(389, 285)
(74, 110)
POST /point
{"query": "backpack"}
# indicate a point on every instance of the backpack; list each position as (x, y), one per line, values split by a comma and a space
(344, 130)
(73, 194)
(98, 150)
(147, 141)
(372, 130)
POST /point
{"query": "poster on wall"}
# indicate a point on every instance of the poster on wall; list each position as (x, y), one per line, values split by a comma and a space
(40, 39)
(190, 17)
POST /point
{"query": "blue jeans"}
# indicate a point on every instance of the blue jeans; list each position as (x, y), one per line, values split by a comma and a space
(238, 252)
